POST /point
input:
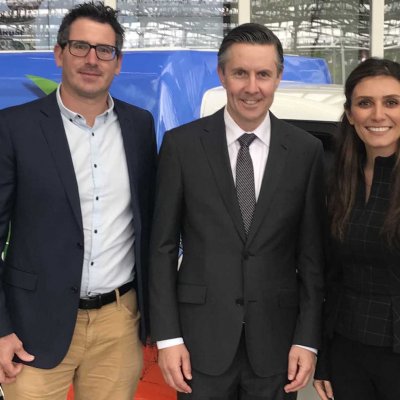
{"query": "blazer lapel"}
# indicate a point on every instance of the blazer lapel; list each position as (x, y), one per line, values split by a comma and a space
(215, 146)
(133, 159)
(54, 133)
(272, 174)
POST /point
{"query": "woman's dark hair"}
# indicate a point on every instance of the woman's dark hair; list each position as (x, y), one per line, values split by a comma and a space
(96, 12)
(350, 156)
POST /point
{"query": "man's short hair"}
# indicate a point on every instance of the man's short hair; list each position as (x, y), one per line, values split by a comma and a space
(250, 33)
(97, 12)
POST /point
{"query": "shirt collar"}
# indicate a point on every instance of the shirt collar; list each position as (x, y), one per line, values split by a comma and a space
(234, 131)
(77, 118)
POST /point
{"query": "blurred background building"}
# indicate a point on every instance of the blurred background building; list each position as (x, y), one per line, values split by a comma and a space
(341, 31)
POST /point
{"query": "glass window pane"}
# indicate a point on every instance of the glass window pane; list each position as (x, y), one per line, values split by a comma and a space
(33, 24)
(392, 30)
(337, 31)
(176, 23)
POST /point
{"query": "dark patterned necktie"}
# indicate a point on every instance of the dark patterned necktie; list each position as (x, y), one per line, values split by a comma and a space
(245, 180)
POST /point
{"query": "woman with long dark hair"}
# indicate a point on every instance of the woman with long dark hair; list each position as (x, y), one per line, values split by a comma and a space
(361, 355)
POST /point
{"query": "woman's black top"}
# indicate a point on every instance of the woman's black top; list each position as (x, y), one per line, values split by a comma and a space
(367, 308)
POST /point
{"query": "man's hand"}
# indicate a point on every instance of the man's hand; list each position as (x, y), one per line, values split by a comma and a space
(175, 366)
(10, 345)
(324, 389)
(301, 367)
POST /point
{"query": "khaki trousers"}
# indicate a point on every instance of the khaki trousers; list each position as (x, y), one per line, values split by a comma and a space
(104, 360)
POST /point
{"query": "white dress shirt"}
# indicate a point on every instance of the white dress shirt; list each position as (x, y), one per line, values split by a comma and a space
(259, 148)
(101, 172)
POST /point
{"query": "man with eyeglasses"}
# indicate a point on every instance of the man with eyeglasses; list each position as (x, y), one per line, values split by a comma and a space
(76, 194)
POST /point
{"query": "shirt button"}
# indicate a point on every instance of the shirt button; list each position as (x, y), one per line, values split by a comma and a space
(95, 165)
(97, 197)
(92, 263)
(95, 231)
(92, 133)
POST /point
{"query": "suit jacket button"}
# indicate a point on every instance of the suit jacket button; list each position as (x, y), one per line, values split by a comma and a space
(239, 301)
(246, 255)
(79, 245)
(74, 289)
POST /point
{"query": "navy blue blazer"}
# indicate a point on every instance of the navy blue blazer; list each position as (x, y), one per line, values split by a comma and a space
(41, 275)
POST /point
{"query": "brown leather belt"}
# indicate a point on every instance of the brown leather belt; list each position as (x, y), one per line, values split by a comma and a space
(102, 299)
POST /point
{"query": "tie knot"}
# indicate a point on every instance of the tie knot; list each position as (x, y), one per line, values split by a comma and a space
(246, 139)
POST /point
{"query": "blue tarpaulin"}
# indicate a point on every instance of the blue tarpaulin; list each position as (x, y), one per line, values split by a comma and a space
(169, 83)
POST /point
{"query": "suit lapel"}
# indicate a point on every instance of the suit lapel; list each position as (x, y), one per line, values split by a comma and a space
(215, 147)
(54, 133)
(272, 175)
(133, 158)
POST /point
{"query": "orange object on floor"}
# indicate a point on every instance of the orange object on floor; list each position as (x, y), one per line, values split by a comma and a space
(151, 384)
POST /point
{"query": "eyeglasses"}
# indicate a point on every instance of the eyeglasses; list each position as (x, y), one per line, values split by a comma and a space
(104, 52)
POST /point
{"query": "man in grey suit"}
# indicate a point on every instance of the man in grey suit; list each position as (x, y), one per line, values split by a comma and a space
(76, 185)
(240, 319)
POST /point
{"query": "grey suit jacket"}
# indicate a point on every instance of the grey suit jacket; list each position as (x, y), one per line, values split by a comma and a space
(41, 275)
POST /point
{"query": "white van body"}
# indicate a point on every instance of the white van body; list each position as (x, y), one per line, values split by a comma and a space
(314, 108)
(293, 101)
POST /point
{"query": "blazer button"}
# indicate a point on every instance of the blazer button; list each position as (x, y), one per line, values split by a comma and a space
(79, 245)
(239, 301)
(74, 289)
(246, 255)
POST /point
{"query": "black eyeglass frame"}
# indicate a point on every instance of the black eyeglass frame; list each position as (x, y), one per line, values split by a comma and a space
(116, 51)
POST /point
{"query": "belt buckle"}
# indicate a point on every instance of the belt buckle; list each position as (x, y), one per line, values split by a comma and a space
(96, 300)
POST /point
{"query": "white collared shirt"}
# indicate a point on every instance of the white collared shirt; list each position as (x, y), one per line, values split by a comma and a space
(101, 172)
(259, 148)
